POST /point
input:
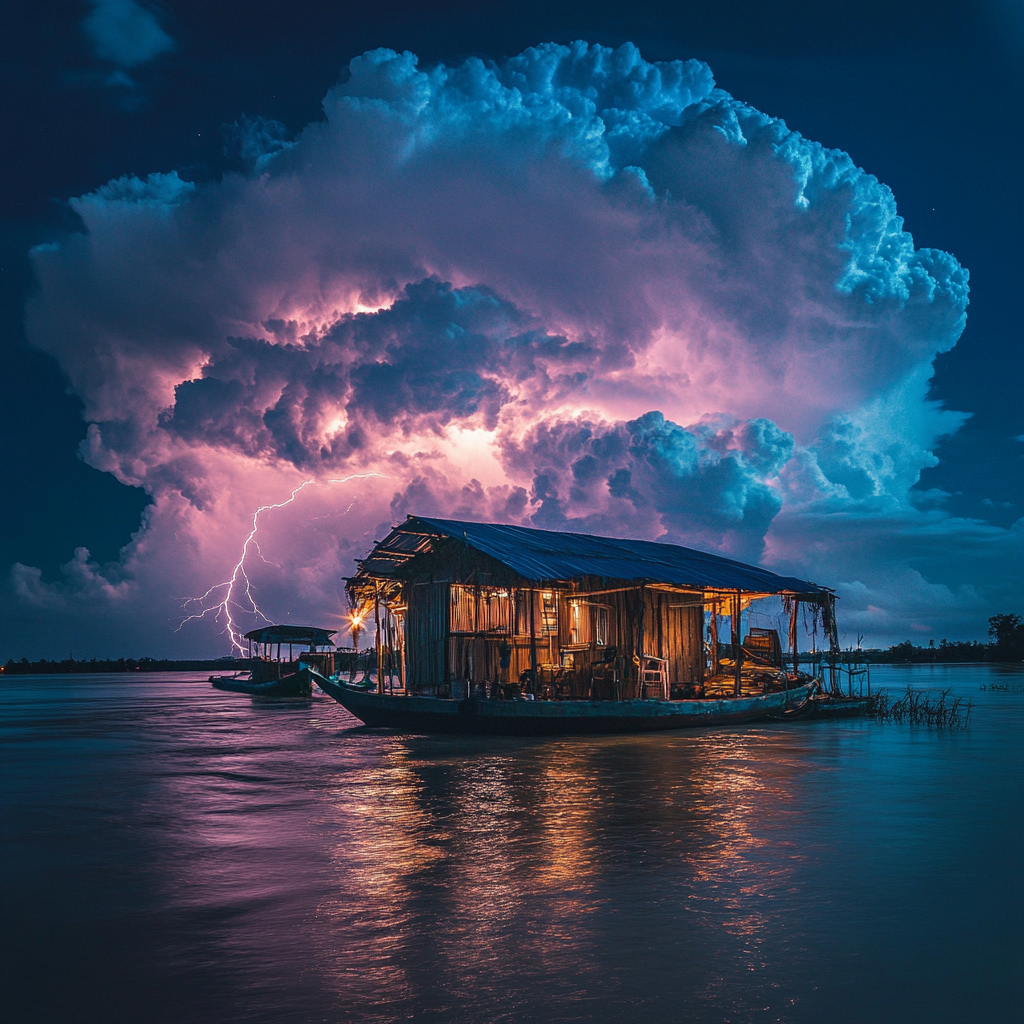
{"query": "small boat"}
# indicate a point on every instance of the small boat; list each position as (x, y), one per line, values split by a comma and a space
(830, 705)
(278, 668)
(485, 716)
(503, 630)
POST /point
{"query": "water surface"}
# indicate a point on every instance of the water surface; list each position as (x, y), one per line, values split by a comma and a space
(170, 852)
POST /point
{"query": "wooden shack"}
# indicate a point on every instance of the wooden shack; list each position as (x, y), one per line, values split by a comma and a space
(490, 610)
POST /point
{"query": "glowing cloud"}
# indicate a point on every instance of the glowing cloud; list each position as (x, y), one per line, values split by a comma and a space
(576, 289)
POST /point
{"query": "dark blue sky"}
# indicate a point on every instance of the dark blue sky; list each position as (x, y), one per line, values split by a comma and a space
(924, 96)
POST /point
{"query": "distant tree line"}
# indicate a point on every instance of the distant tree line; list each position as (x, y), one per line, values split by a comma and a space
(1006, 636)
(24, 667)
(1006, 643)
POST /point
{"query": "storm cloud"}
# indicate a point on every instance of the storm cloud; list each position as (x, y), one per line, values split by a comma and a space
(576, 290)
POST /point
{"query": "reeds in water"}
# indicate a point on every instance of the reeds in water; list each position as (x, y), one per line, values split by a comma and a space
(917, 707)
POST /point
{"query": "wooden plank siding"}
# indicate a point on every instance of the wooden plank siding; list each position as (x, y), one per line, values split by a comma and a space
(426, 635)
(456, 631)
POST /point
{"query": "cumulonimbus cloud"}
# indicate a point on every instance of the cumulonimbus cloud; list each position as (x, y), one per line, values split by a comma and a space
(576, 289)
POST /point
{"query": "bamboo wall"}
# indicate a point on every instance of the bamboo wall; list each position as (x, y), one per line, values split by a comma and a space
(456, 632)
(426, 633)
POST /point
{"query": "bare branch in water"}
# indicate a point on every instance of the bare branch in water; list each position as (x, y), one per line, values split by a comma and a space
(916, 707)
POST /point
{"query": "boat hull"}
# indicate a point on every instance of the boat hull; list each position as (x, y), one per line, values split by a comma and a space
(554, 718)
(839, 707)
(298, 684)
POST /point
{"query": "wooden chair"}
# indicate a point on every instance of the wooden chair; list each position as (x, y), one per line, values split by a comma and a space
(604, 681)
(653, 677)
(605, 676)
(763, 645)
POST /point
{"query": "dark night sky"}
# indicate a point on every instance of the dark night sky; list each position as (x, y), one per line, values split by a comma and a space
(925, 96)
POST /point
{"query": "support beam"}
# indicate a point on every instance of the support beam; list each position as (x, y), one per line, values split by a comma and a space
(380, 643)
(641, 642)
(737, 643)
(714, 639)
(400, 627)
(533, 640)
(792, 635)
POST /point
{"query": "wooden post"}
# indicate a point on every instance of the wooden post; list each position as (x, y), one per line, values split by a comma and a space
(737, 649)
(474, 671)
(380, 641)
(400, 627)
(389, 633)
(640, 643)
(513, 600)
(714, 639)
(533, 640)
(792, 636)
(385, 644)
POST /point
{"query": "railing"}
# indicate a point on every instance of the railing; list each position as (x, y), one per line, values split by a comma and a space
(831, 668)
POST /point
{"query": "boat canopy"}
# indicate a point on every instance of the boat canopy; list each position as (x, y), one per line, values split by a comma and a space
(548, 557)
(313, 635)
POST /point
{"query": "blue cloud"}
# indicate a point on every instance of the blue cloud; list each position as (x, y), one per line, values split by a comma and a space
(125, 33)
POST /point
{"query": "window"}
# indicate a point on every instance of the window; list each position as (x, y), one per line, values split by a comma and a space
(480, 610)
(579, 623)
(544, 612)
(588, 624)
(549, 612)
(523, 612)
(463, 614)
(495, 611)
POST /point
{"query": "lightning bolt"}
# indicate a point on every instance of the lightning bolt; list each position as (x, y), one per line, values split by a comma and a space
(236, 591)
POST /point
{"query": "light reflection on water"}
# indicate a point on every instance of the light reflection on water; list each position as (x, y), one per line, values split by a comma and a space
(172, 852)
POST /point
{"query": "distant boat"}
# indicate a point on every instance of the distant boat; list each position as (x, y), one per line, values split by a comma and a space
(275, 674)
(484, 628)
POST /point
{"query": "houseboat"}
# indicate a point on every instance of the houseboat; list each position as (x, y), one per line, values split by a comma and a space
(487, 628)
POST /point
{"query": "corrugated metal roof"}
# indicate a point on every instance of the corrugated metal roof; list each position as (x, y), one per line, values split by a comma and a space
(546, 557)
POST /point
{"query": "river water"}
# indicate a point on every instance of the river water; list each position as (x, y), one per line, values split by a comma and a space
(174, 853)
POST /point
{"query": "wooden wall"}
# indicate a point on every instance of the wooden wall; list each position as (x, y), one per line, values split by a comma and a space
(426, 635)
(457, 631)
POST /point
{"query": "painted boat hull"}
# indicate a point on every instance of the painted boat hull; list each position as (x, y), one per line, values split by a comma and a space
(554, 718)
(298, 684)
